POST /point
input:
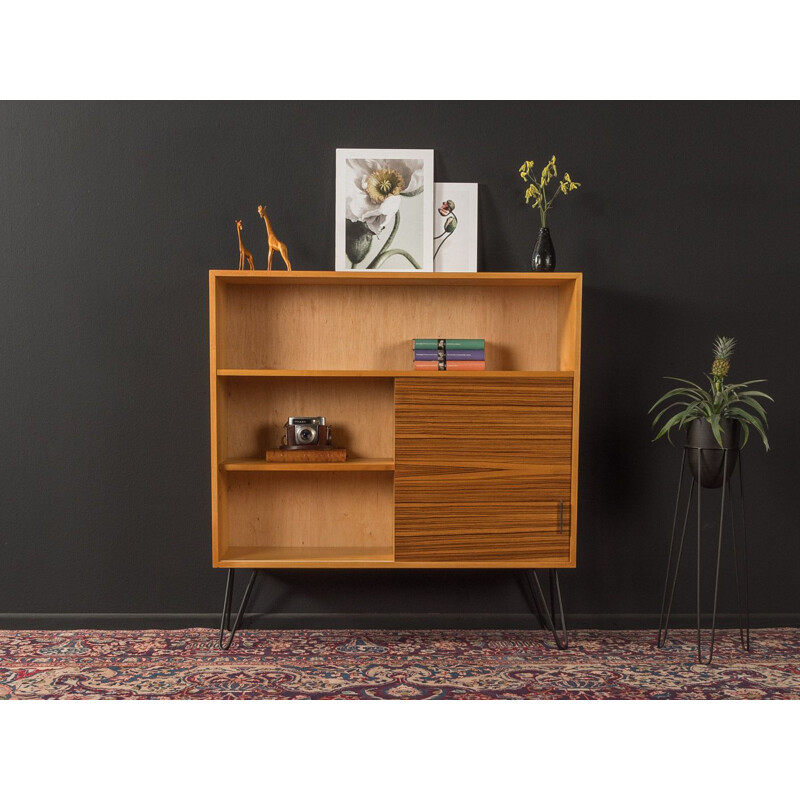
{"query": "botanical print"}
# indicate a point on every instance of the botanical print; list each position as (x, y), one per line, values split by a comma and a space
(455, 227)
(384, 201)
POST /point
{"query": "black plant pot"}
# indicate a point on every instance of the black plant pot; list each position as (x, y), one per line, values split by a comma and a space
(544, 254)
(710, 460)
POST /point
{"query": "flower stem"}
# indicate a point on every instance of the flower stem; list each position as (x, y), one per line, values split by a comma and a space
(547, 207)
(384, 254)
(441, 243)
(543, 208)
(374, 263)
(449, 234)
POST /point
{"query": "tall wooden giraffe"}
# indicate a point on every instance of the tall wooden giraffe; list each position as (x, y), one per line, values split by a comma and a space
(273, 241)
(244, 253)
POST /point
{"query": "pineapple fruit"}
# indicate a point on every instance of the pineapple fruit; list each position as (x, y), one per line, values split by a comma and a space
(723, 350)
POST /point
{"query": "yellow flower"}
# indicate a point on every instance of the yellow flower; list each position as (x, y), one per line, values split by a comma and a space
(533, 192)
(567, 185)
(549, 171)
(525, 170)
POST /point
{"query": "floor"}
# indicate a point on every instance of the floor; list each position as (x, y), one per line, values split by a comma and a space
(374, 664)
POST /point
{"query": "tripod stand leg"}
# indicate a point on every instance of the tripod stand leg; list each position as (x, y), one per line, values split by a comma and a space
(663, 623)
(716, 579)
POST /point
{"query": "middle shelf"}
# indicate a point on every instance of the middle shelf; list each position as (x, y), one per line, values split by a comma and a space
(351, 465)
(389, 373)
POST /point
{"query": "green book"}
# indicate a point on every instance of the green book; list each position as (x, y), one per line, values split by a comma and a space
(449, 344)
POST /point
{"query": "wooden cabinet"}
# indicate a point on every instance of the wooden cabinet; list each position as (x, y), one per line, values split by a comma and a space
(444, 469)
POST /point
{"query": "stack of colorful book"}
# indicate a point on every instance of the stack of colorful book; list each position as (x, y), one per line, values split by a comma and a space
(449, 354)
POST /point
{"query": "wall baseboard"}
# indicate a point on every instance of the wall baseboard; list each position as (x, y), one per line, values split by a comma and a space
(576, 621)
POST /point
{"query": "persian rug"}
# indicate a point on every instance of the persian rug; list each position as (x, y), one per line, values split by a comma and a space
(381, 664)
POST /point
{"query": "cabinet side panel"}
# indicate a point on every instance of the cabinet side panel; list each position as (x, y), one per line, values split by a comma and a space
(570, 313)
(216, 333)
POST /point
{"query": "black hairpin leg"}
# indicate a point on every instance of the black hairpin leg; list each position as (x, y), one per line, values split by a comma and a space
(744, 629)
(225, 623)
(725, 484)
(541, 605)
(663, 623)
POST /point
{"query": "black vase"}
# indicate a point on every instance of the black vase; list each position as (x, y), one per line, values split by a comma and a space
(544, 254)
(706, 464)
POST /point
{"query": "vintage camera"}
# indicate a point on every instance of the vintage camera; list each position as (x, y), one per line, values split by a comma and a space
(306, 433)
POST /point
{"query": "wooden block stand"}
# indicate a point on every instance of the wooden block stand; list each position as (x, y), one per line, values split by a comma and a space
(444, 469)
(334, 454)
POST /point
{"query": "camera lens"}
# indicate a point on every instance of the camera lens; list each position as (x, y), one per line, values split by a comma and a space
(306, 435)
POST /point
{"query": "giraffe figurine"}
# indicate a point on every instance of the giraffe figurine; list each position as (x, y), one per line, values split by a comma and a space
(273, 242)
(244, 253)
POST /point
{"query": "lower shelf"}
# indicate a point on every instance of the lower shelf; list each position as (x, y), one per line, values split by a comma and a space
(275, 557)
(358, 558)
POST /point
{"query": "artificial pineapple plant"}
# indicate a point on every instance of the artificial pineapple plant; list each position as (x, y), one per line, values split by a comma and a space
(717, 418)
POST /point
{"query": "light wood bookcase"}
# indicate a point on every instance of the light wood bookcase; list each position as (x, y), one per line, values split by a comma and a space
(444, 469)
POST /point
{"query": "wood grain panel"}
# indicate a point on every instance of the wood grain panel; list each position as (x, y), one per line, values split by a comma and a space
(328, 326)
(482, 531)
(307, 510)
(483, 470)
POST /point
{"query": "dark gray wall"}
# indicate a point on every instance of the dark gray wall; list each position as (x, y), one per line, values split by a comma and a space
(112, 213)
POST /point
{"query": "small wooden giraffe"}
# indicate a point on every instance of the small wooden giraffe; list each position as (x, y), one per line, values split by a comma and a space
(244, 253)
(273, 242)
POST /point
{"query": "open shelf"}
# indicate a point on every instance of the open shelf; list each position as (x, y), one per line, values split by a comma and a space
(300, 512)
(346, 325)
(351, 465)
(360, 412)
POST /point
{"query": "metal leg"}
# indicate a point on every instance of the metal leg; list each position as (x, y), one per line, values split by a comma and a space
(226, 609)
(744, 630)
(663, 622)
(541, 605)
(716, 579)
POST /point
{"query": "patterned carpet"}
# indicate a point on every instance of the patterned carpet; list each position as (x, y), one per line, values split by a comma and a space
(441, 664)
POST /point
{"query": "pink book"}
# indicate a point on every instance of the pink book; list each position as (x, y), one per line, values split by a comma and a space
(452, 366)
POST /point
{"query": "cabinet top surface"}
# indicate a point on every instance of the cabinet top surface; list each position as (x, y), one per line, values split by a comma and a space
(361, 277)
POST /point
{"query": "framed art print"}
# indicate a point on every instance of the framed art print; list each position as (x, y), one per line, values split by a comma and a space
(455, 227)
(384, 209)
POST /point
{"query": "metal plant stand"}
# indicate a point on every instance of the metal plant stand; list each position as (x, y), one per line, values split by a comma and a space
(696, 453)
